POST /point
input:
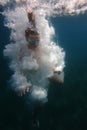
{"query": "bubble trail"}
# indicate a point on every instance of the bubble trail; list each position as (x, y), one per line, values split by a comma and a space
(31, 68)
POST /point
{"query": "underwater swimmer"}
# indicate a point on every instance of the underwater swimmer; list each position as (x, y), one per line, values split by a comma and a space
(32, 38)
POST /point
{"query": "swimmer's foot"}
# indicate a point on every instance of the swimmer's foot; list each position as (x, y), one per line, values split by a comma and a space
(23, 91)
(36, 123)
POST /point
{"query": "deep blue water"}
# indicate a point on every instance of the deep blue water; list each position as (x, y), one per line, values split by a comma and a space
(67, 104)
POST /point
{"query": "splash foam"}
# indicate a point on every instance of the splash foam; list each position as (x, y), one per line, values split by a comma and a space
(30, 70)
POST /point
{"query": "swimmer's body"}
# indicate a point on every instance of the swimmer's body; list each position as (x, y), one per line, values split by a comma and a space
(32, 38)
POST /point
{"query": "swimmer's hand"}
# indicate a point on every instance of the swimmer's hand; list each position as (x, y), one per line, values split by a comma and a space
(23, 91)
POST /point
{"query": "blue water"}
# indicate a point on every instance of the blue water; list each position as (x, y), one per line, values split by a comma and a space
(67, 104)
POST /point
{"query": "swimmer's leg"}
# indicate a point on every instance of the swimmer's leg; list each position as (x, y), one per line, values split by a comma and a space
(37, 109)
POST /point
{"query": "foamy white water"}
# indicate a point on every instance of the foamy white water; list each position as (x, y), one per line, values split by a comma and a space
(30, 68)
